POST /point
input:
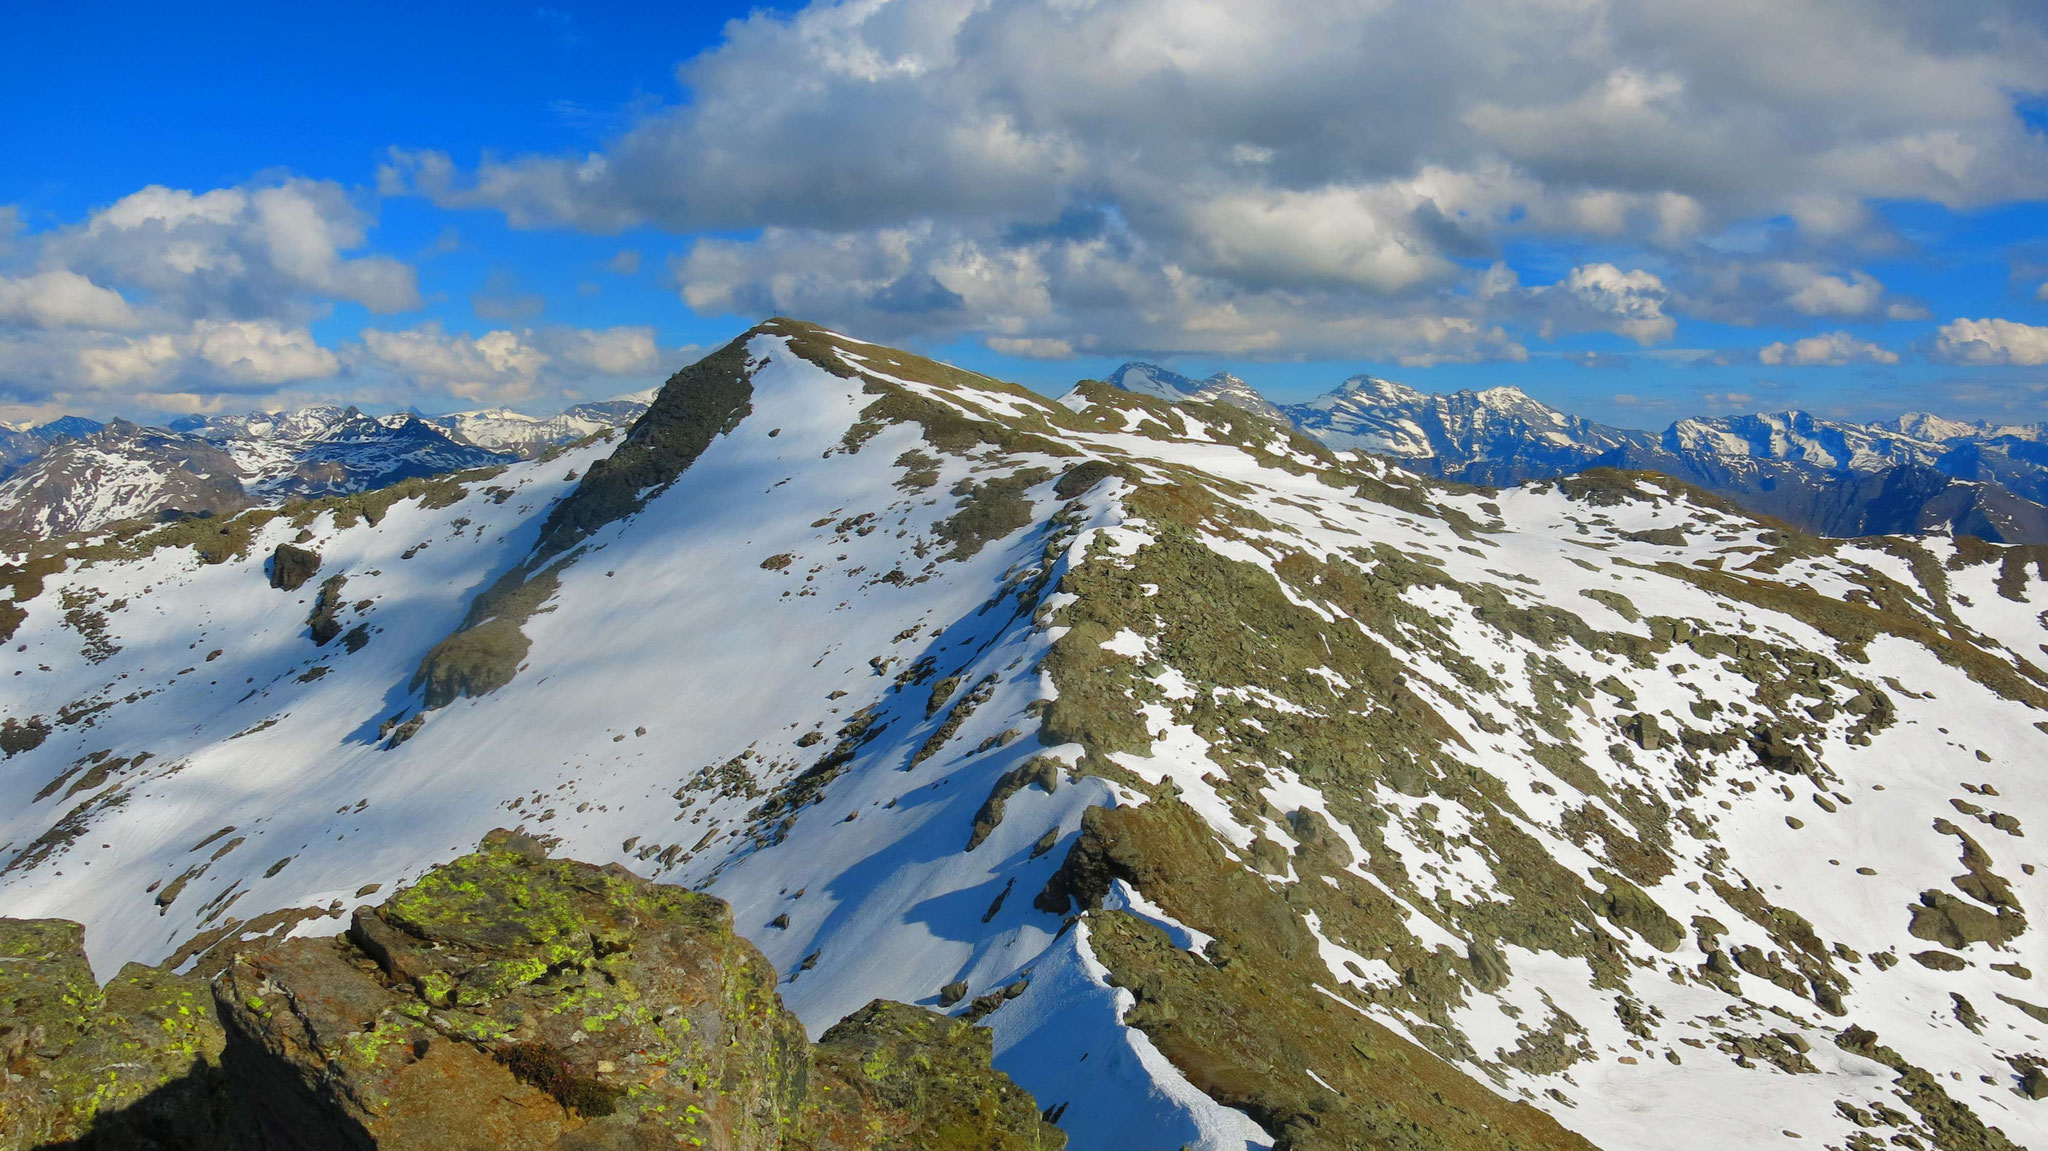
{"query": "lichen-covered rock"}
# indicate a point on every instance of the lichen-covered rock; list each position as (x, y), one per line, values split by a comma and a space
(510, 1000)
(898, 1078)
(134, 1064)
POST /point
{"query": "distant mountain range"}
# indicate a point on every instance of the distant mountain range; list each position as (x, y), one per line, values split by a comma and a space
(504, 430)
(1915, 474)
(74, 474)
(1918, 473)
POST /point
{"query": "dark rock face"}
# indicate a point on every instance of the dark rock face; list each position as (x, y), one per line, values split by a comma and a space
(291, 567)
(506, 1000)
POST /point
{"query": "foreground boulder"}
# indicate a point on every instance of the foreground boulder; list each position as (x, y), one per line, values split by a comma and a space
(506, 1000)
(134, 1064)
(509, 1000)
(901, 1078)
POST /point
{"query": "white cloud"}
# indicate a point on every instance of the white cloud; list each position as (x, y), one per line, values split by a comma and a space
(1321, 155)
(235, 253)
(59, 298)
(132, 361)
(623, 351)
(1833, 349)
(1091, 288)
(1992, 342)
(1032, 347)
(1596, 297)
(1755, 291)
(169, 293)
(1814, 293)
(232, 354)
(1341, 235)
(1634, 299)
(500, 366)
(507, 366)
(625, 263)
(251, 352)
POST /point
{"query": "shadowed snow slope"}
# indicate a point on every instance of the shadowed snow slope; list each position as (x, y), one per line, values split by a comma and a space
(1251, 793)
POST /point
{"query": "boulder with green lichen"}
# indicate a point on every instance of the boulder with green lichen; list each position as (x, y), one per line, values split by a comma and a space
(135, 1063)
(916, 1080)
(511, 1000)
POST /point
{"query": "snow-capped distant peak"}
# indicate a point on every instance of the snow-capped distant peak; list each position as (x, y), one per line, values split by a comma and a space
(1370, 390)
(1153, 380)
(1928, 426)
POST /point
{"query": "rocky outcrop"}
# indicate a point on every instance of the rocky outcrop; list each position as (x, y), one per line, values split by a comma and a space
(901, 1078)
(134, 1064)
(505, 1000)
(292, 566)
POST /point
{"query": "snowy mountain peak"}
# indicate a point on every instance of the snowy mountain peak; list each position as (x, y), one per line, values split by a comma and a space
(1153, 380)
(1222, 387)
(1927, 426)
(1365, 389)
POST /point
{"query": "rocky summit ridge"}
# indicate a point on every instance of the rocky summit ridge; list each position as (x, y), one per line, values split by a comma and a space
(1241, 791)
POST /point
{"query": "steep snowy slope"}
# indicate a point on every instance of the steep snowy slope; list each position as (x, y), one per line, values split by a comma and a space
(1393, 814)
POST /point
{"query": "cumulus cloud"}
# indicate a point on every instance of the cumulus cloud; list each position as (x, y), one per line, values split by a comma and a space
(1757, 291)
(235, 253)
(1598, 297)
(60, 298)
(506, 366)
(1817, 294)
(1832, 349)
(623, 351)
(1992, 342)
(1032, 347)
(1084, 286)
(169, 292)
(1632, 302)
(230, 354)
(1246, 153)
(498, 365)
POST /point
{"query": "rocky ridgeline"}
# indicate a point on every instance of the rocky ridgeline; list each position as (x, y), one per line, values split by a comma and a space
(506, 1000)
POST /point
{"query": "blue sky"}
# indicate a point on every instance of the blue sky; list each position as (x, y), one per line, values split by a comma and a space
(1634, 211)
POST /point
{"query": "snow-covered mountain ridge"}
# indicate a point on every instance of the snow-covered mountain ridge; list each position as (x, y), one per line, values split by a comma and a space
(74, 475)
(1918, 473)
(1303, 800)
(505, 430)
